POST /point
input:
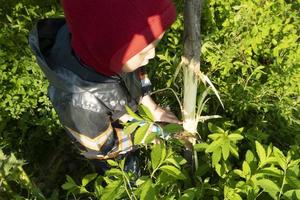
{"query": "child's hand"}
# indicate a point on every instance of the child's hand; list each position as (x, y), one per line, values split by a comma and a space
(163, 115)
(160, 114)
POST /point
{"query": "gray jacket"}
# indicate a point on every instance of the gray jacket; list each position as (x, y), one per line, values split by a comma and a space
(84, 100)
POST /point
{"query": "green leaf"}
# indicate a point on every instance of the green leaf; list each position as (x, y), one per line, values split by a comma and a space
(112, 190)
(200, 146)
(220, 170)
(233, 150)
(231, 194)
(133, 114)
(158, 154)
(145, 113)
(172, 128)
(114, 172)
(269, 150)
(214, 145)
(269, 186)
(141, 180)
(294, 163)
(215, 136)
(173, 171)
(281, 160)
(272, 171)
(292, 194)
(235, 137)
(140, 134)
(68, 186)
(226, 149)
(112, 163)
(214, 129)
(148, 191)
(293, 181)
(98, 187)
(2, 155)
(216, 156)
(269, 160)
(172, 161)
(88, 178)
(83, 190)
(239, 173)
(131, 127)
(260, 151)
(238, 131)
(70, 180)
(9, 18)
(246, 169)
(189, 194)
(249, 156)
(150, 137)
(179, 159)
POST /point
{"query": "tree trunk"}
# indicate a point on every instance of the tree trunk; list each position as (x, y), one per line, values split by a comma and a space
(191, 62)
(191, 66)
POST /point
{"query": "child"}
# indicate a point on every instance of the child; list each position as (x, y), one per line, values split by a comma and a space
(93, 62)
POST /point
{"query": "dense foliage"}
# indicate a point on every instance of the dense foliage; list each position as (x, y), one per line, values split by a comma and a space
(250, 51)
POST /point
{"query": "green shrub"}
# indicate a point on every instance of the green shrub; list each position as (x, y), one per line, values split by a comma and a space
(23, 88)
(251, 51)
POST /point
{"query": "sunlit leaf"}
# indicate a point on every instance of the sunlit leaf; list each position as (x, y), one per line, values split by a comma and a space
(269, 186)
(148, 191)
(260, 151)
(292, 194)
(173, 171)
(88, 178)
(246, 169)
(158, 154)
(140, 134)
(131, 127)
(226, 150)
(200, 146)
(112, 163)
(216, 156)
(145, 113)
(235, 137)
(133, 114)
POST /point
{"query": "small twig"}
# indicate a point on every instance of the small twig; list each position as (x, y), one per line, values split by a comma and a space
(177, 98)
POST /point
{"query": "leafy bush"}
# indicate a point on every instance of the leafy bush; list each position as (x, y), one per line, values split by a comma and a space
(23, 86)
(251, 51)
(265, 174)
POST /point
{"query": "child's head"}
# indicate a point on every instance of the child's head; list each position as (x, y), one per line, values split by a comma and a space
(142, 58)
(112, 36)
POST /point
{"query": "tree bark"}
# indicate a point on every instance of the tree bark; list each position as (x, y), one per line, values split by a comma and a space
(191, 62)
(191, 67)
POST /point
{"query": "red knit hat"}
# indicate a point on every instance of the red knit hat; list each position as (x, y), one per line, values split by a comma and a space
(107, 33)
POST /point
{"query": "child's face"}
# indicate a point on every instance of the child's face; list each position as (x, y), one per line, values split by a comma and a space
(141, 58)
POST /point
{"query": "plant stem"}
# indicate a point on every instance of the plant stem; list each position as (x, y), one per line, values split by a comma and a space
(176, 96)
(196, 160)
(125, 185)
(282, 185)
(152, 174)
(127, 182)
